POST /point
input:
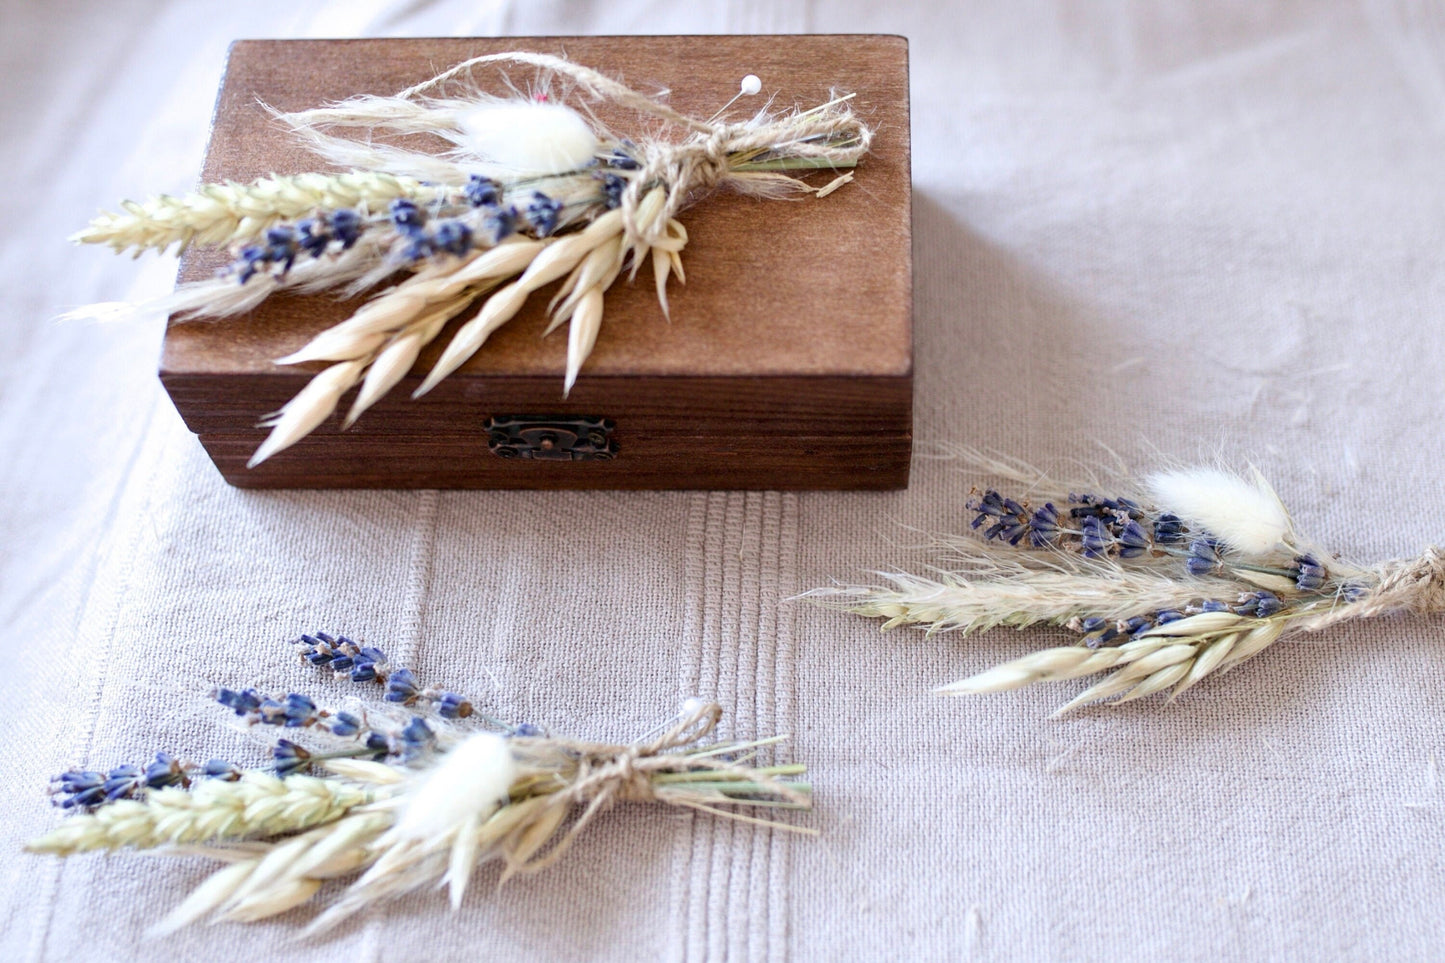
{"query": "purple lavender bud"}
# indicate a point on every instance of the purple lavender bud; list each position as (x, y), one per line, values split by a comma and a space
(528, 731)
(482, 191)
(1135, 625)
(345, 724)
(990, 505)
(622, 158)
(289, 757)
(1268, 604)
(346, 225)
(501, 223)
(1096, 537)
(454, 237)
(312, 236)
(1203, 556)
(1043, 525)
(298, 711)
(166, 770)
(416, 739)
(1132, 540)
(612, 188)
(401, 687)
(452, 706)
(221, 769)
(1310, 574)
(243, 702)
(1168, 528)
(407, 217)
(79, 780)
(123, 782)
(543, 213)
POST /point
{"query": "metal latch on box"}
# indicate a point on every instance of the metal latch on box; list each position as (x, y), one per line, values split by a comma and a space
(551, 437)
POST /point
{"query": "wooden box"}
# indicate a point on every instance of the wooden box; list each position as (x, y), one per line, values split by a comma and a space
(787, 364)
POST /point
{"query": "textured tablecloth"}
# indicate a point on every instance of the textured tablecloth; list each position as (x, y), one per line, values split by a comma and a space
(1156, 229)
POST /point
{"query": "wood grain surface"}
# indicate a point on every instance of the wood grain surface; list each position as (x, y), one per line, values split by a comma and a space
(795, 321)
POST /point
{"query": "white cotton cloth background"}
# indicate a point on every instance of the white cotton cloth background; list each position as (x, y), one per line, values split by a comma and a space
(1173, 229)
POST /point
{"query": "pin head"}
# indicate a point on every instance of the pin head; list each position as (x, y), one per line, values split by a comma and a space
(751, 85)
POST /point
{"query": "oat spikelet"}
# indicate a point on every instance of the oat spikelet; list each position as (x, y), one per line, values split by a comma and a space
(311, 406)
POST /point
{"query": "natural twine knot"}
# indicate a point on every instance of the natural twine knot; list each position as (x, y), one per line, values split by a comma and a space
(690, 167)
(1412, 585)
(608, 773)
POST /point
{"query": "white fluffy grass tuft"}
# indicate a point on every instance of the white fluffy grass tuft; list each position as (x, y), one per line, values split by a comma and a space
(1244, 514)
(531, 138)
(477, 772)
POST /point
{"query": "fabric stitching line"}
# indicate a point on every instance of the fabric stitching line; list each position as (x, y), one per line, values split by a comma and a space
(57, 868)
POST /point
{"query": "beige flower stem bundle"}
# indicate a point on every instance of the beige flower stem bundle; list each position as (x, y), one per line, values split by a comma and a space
(531, 193)
(414, 794)
(1163, 584)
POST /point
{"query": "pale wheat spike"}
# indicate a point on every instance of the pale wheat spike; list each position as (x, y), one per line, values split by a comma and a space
(1063, 662)
(1161, 658)
(525, 841)
(311, 406)
(259, 804)
(232, 213)
(1204, 623)
(510, 257)
(328, 843)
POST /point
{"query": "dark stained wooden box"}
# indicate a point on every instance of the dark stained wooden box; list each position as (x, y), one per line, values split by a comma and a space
(788, 363)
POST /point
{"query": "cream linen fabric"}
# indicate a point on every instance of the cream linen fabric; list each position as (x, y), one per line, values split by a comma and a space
(1172, 229)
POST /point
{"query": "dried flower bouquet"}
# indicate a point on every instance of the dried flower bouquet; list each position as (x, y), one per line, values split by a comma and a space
(1164, 583)
(531, 192)
(413, 791)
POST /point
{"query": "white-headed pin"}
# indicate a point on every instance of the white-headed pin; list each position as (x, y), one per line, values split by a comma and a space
(750, 86)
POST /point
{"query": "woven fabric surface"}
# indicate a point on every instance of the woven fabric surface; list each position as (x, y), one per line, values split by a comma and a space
(1159, 230)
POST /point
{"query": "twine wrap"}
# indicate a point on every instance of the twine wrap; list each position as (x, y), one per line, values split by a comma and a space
(1414, 585)
(607, 773)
